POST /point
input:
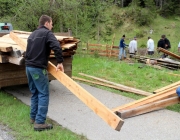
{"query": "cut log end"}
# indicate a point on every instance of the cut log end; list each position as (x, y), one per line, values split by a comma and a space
(120, 124)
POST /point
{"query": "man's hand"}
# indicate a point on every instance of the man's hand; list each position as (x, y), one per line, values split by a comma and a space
(60, 67)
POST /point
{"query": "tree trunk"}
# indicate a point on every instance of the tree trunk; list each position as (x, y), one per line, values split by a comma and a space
(98, 32)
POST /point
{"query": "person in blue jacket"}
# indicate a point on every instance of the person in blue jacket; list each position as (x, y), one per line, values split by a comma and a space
(122, 46)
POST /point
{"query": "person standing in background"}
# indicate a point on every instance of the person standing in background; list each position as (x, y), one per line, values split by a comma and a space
(132, 47)
(122, 46)
(150, 46)
(161, 44)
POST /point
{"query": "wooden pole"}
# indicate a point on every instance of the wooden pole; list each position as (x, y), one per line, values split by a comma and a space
(124, 88)
(148, 107)
(98, 83)
(152, 98)
(167, 87)
(169, 53)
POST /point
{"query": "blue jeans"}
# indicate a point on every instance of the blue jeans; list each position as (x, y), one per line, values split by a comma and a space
(39, 86)
(122, 51)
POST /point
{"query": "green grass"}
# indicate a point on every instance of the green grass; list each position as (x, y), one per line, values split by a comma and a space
(145, 78)
(15, 115)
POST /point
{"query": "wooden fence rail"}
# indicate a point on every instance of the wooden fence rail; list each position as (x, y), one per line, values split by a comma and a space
(102, 50)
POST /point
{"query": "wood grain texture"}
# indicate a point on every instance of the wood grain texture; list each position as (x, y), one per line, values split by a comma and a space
(101, 110)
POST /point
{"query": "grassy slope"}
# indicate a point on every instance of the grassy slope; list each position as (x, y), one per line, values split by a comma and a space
(168, 26)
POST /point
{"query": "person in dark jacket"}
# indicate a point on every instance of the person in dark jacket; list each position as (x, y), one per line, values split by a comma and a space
(39, 45)
(122, 46)
(165, 44)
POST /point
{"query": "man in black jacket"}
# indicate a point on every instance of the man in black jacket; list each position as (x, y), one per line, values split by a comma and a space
(39, 45)
(165, 44)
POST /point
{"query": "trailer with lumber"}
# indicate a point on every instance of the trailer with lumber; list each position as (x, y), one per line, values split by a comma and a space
(12, 69)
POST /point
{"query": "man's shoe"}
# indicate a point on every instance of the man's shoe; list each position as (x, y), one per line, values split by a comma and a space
(42, 127)
(32, 121)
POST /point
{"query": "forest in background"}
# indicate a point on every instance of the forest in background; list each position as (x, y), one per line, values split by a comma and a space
(88, 19)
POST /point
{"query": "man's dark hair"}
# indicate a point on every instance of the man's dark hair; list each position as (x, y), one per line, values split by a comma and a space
(123, 36)
(149, 37)
(163, 36)
(43, 19)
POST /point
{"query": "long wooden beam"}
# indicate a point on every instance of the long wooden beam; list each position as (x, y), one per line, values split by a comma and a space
(124, 88)
(155, 97)
(167, 87)
(106, 114)
(98, 83)
(173, 74)
(100, 109)
(5, 47)
(148, 107)
(169, 53)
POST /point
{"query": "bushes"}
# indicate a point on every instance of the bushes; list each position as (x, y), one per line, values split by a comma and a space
(143, 17)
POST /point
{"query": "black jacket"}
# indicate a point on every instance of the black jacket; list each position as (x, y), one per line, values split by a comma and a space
(39, 45)
(161, 43)
(167, 43)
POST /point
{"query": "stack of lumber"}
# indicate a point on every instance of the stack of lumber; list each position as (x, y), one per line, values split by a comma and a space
(13, 53)
(166, 62)
(162, 98)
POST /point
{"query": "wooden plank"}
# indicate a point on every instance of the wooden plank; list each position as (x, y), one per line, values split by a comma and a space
(23, 36)
(18, 40)
(13, 74)
(124, 88)
(169, 53)
(5, 47)
(173, 74)
(4, 58)
(106, 114)
(155, 97)
(98, 83)
(148, 107)
(68, 46)
(112, 45)
(98, 45)
(167, 87)
(60, 38)
(22, 32)
(7, 40)
(13, 82)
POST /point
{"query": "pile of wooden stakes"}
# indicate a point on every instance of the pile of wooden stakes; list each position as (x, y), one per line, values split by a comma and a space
(166, 63)
(162, 98)
(159, 62)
